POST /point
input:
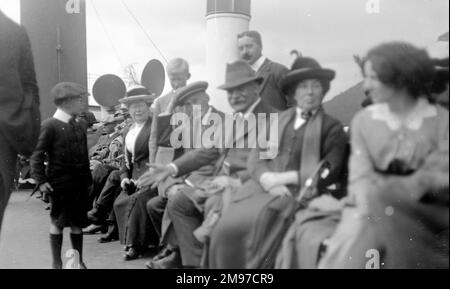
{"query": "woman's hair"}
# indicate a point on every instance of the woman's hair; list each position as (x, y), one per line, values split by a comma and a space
(401, 65)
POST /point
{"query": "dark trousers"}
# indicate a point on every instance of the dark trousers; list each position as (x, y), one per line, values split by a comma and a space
(99, 178)
(109, 193)
(186, 219)
(155, 210)
(8, 159)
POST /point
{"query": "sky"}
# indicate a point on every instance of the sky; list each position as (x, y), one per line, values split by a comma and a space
(331, 31)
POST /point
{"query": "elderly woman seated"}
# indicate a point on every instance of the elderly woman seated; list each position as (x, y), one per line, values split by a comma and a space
(136, 152)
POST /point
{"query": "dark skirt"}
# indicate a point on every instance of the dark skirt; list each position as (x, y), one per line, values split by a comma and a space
(69, 205)
(302, 243)
(130, 209)
(139, 229)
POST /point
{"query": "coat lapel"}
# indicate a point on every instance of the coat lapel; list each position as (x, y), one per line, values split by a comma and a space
(264, 71)
(142, 140)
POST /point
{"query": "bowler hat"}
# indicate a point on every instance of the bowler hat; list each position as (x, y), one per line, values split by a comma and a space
(239, 73)
(138, 94)
(65, 90)
(306, 68)
(192, 89)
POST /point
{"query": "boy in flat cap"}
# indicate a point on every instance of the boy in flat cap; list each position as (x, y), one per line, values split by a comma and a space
(63, 143)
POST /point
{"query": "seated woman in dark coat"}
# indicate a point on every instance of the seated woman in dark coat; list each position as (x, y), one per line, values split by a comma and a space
(397, 210)
(136, 154)
(306, 136)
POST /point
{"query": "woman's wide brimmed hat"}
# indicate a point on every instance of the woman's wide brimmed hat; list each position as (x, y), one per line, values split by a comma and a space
(138, 94)
(239, 73)
(305, 68)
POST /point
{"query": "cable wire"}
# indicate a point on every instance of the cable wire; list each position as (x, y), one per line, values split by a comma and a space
(145, 32)
(107, 35)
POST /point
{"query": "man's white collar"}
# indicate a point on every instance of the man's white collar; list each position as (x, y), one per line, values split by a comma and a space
(259, 63)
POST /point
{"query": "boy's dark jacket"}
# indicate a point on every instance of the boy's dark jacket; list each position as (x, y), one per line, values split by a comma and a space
(66, 151)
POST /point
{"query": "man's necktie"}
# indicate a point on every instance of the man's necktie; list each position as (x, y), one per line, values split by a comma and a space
(306, 115)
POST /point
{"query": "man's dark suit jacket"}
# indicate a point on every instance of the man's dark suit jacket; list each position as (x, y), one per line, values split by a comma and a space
(271, 92)
(19, 93)
(234, 158)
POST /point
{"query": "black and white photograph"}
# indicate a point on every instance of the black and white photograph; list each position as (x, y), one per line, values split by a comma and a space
(224, 134)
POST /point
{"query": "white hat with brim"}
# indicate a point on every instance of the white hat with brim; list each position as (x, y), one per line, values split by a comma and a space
(149, 99)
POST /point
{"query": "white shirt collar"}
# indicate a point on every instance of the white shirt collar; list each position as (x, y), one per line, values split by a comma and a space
(299, 120)
(62, 115)
(416, 117)
(257, 65)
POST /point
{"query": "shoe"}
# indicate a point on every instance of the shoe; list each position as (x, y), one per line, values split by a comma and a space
(94, 229)
(111, 236)
(163, 254)
(95, 216)
(132, 254)
(149, 264)
(108, 239)
(173, 261)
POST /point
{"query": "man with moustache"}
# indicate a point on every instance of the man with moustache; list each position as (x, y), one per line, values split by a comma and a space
(250, 50)
(187, 209)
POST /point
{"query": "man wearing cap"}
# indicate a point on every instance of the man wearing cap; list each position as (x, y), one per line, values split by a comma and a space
(185, 99)
(19, 103)
(63, 140)
(187, 210)
(105, 158)
(250, 50)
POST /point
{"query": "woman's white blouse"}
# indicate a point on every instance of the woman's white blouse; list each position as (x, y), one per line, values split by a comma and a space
(130, 140)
